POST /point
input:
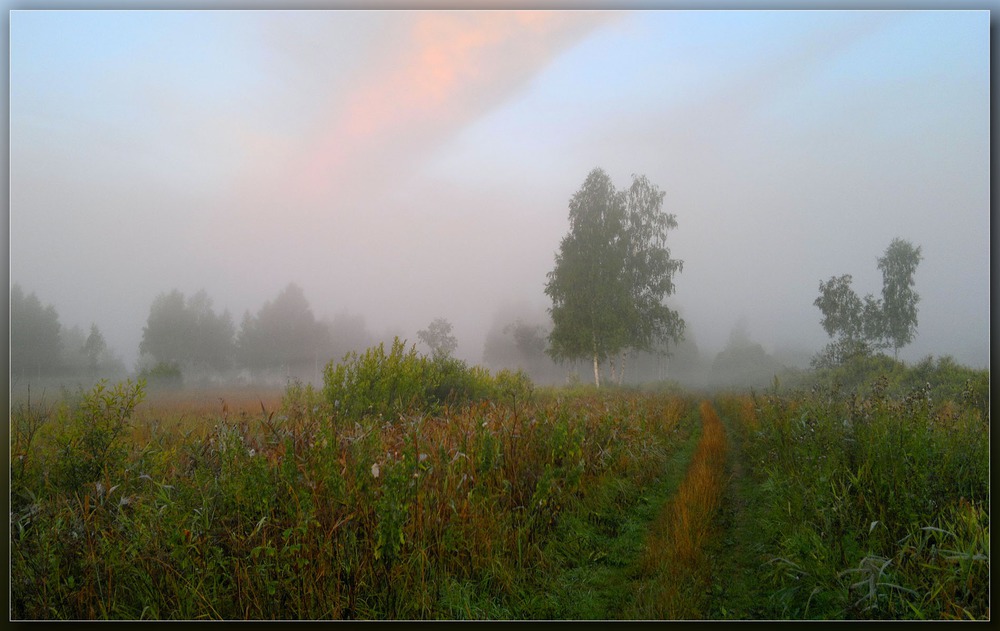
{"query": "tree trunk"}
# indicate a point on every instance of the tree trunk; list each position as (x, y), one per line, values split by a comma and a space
(621, 373)
(611, 360)
(597, 372)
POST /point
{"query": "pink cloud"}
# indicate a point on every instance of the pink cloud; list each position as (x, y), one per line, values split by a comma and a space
(453, 67)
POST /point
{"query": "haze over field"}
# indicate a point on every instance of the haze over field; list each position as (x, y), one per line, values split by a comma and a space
(408, 165)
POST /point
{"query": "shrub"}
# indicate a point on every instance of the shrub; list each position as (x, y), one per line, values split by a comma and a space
(374, 383)
(163, 375)
(380, 385)
(91, 443)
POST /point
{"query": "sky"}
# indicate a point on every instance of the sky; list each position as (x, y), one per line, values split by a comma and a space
(406, 165)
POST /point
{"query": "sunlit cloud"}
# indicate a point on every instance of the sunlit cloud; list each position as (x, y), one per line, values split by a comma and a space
(452, 67)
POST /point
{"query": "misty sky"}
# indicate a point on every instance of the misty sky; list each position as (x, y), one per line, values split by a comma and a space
(406, 165)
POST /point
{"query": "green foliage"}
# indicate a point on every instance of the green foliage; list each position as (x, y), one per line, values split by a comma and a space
(744, 363)
(874, 494)
(943, 378)
(35, 345)
(842, 309)
(163, 375)
(437, 336)
(283, 334)
(387, 386)
(862, 327)
(280, 518)
(612, 272)
(899, 300)
(187, 331)
(90, 442)
(376, 384)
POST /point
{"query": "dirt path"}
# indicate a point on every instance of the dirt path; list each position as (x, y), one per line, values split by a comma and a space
(676, 575)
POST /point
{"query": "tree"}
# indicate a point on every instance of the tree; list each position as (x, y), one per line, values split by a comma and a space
(166, 336)
(437, 336)
(612, 273)
(88, 355)
(649, 268)
(840, 306)
(863, 326)
(348, 334)
(899, 300)
(35, 343)
(284, 335)
(743, 362)
(94, 347)
(187, 332)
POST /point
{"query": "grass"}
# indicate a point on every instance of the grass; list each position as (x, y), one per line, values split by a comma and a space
(868, 502)
(281, 514)
(859, 507)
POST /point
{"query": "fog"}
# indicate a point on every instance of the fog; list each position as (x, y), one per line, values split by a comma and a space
(401, 166)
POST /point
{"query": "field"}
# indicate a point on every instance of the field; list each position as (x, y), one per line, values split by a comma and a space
(507, 503)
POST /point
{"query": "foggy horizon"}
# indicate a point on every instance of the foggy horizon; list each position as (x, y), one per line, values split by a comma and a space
(408, 165)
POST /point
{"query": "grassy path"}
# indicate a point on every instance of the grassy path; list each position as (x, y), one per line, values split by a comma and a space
(676, 572)
(653, 565)
(600, 574)
(738, 554)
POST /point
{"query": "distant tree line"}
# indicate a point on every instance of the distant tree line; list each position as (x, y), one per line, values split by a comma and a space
(41, 348)
(612, 275)
(283, 339)
(185, 339)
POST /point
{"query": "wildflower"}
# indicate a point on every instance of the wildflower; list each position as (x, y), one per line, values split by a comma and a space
(375, 470)
(252, 452)
(422, 457)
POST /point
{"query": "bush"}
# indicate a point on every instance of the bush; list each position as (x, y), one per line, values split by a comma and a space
(943, 379)
(91, 445)
(163, 375)
(376, 384)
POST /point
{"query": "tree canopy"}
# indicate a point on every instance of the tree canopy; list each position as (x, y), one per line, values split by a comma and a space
(613, 270)
(284, 335)
(863, 326)
(188, 332)
(899, 300)
(35, 342)
(437, 336)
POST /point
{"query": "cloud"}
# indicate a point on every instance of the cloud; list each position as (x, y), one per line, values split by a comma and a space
(345, 187)
(451, 68)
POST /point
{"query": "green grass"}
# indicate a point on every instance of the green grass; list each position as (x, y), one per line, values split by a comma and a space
(842, 503)
(857, 506)
(287, 515)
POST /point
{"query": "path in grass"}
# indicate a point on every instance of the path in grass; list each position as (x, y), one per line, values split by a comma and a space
(677, 574)
(654, 566)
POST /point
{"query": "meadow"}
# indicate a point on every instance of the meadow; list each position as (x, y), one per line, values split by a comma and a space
(407, 488)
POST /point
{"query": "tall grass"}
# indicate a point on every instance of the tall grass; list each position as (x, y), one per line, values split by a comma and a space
(286, 512)
(870, 505)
